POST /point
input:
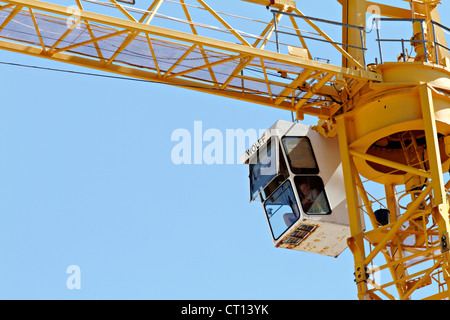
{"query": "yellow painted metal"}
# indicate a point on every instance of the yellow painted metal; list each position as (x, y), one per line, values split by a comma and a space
(412, 99)
(280, 4)
(355, 243)
(354, 14)
(410, 104)
(245, 53)
(392, 120)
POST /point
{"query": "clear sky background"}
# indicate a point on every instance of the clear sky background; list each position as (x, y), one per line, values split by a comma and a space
(86, 179)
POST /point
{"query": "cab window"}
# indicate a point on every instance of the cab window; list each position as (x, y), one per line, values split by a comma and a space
(300, 155)
(263, 168)
(281, 209)
(313, 198)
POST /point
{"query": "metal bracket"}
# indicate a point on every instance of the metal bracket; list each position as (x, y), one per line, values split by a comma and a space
(444, 242)
(361, 274)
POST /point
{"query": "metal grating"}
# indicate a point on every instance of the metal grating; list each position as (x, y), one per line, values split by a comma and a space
(158, 54)
(299, 234)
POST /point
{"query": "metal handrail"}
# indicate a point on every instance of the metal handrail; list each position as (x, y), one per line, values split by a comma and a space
(423, 41)
(361, 30)
(435, 23)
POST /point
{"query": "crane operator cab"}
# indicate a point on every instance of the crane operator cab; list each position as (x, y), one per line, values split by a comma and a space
(297, 174)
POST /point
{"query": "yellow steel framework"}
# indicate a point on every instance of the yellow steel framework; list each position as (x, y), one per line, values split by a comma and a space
(392, 118)
(124, 34)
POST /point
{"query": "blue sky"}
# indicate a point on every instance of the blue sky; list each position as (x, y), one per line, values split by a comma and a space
(86, 179)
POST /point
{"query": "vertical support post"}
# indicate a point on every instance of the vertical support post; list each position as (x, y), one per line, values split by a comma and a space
(355, 14)
(355, 242)
(432, 12)
(424, 42)
(379, 40)
(363, 48)
(440, 204)
(391, 202)
(275, 24)
(431, 136)
(344, 29)
(403, 51)
(398, 271)
(436, 56)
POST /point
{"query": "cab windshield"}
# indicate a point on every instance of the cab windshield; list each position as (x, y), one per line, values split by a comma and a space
(281, 209)
(263, 168)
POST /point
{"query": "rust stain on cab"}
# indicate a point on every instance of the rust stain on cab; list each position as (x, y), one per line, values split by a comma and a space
(283, 244)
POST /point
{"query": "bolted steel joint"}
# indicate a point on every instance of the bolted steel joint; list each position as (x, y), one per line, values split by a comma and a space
(361, 274)
(444, 242)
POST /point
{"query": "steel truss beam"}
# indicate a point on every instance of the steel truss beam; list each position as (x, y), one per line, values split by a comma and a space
(413, 245)
(136, 48)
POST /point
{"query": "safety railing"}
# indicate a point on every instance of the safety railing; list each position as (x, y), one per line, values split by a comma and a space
(324, 37)
(423, 40)
(402, 41)
(436, 44)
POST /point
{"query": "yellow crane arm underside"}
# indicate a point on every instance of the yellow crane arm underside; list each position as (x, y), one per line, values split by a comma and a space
(136, 48)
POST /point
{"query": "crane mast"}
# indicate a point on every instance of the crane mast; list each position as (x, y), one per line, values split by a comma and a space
(400, 151)
(392, 117)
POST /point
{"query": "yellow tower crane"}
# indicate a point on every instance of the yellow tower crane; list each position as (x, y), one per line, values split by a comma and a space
(391, 118)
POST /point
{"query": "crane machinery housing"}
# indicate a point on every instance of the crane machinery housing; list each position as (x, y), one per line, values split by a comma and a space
(387, 115)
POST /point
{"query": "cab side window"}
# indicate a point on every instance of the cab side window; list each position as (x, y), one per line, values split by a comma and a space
(313, 198)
